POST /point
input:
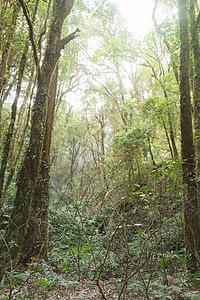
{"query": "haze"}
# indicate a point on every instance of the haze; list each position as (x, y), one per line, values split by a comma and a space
(138, 15)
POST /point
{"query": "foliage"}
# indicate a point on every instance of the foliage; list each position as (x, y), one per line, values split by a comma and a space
(133, 140)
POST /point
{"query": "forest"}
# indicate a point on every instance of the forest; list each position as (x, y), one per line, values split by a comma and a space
(99, 151)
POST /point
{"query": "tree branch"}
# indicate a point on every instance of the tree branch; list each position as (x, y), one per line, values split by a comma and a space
(69, 38)
(45, 25)
(31, 33)
(198, 20)
(157, 27)
(159, 31)
(154, 19)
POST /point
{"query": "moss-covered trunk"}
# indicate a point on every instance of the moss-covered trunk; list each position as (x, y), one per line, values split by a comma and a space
(28, 175)
(6, 149)
(35, 244)
(196, 86)
(192, 229)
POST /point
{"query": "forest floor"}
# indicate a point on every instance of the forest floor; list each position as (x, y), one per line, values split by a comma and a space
(72, 288)
(82, 291)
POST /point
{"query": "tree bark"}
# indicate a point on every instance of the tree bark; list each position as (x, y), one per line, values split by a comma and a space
(196, 87)
(6, 149)
(28, 175)
(192, 229)
(167, 137)
(21, 114)
(16, 159)
(36, 239)
(171, 130)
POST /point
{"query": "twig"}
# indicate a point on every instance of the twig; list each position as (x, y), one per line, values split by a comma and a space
(101, 289)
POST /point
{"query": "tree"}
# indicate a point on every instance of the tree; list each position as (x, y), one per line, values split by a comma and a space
(155, 57)
(6, 149)
(171, 48)
(194, 22)
(192, 228)
(28, 174)
(129, 147)
(159, 111)
(36, 238)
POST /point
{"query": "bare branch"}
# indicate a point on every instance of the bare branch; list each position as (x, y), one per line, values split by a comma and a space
(69, 38)
(157, 27)
(159, 31)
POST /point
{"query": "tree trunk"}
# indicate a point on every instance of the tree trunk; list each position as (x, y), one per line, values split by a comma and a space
(151, 152)
(16, 159)
(192, 229)
(171, 130)
(196, 88)
(6, 149)
(35, 244)
(28, 175)
(21, 114)
(167, 137)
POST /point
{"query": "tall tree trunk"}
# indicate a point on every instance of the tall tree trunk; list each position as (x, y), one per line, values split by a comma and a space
(171, 130)
(16, 159)
(196, 87)
(167, 137)
(21, 113)
(150, 151)
(28, 175)
(35, 244)
(6, 149)
(192, 229)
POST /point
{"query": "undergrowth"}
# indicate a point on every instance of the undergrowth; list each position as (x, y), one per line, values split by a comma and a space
(131, 244)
